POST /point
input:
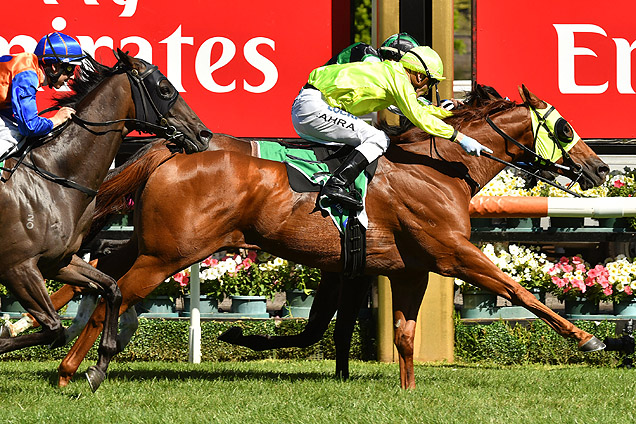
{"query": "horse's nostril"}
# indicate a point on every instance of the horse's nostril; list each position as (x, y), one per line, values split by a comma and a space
(205, 135)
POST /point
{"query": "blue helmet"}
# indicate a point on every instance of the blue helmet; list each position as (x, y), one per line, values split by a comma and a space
(57, 47)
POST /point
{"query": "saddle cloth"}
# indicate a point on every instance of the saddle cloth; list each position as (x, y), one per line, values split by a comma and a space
(309, 166)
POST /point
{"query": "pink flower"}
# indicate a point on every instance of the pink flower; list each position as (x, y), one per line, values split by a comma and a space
(607, 290)
(618, 184)
(628, 290)
(576, 260)
(252, 255)
(181, 278)
(560, 282)
(579, 284)
(209, 262)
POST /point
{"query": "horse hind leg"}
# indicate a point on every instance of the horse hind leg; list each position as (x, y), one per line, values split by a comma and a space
(322, 310)
(27, 284)
(407, 295)
(59, 299)
(352, 294)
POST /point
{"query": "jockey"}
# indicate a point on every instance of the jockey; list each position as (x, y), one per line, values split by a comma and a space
(326, 111)
(52, 63)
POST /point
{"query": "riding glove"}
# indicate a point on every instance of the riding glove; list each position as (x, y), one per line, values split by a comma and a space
(472, 146)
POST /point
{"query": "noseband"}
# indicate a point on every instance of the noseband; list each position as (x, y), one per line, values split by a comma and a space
(539, 163)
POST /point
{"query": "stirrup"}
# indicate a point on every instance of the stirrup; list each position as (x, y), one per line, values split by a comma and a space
(345, 199)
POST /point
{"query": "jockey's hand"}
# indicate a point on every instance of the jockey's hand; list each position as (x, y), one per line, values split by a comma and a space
(472, 146)
(62, 116)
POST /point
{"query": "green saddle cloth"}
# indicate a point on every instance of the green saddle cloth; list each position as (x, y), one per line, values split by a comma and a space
(316, 172)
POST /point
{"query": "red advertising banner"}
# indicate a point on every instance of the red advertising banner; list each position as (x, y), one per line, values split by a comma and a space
(238, 64)
(576, 55)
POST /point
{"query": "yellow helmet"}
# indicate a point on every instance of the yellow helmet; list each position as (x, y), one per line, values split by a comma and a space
(425, 60)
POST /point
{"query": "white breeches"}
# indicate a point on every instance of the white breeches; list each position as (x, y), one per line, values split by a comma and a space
(315, 120)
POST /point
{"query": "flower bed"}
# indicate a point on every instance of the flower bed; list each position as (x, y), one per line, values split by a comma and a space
(245, 273)
(570, 279)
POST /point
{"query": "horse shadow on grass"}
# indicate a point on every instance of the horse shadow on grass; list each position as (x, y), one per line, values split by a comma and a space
(210, 375)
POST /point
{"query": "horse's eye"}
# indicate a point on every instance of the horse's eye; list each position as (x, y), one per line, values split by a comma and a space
(166, 90)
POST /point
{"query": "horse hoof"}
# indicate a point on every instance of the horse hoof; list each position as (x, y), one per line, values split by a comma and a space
(95, 377)
(592, 345)
(231, 335)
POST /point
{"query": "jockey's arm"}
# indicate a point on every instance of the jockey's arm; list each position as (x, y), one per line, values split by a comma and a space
(24, 88)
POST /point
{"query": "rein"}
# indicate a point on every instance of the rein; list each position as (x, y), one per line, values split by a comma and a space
(539, 162)
(141, 96)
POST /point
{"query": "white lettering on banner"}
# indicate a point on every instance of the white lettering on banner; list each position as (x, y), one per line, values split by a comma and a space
(261, 63)
(624, 65)
(174, 42)
(567, 51)
(130, 6)
(204, 69)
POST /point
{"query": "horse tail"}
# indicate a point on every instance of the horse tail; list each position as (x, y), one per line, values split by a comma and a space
(115, 194)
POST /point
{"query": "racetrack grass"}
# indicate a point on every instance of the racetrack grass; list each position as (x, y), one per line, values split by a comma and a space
(276, 391)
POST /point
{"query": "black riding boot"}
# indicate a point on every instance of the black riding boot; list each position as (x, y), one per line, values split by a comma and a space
(336, 187)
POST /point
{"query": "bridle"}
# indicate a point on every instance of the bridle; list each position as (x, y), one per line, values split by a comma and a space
(562, 134)
(150, 104)
(148, 99)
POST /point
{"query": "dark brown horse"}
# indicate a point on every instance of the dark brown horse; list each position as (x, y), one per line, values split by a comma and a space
(192, 206)
(47, 203)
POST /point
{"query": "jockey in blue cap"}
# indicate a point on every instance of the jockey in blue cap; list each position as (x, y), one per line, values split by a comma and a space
(52, 63)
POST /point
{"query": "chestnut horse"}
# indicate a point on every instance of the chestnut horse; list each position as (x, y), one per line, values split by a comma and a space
(192, 206)
(47, 202)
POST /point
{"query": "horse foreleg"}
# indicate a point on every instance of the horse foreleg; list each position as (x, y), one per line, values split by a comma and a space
(352, 294)
(407, 294)
(81, 273)
(26, 283)
(134, 287)
(322, 310)
(471, 265)
(59, 299)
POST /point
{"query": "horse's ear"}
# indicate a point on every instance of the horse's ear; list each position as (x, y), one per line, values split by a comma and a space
(530, 98)
(123, 57)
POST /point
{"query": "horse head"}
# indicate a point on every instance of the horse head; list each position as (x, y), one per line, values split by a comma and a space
(556, 141)
(160, 107)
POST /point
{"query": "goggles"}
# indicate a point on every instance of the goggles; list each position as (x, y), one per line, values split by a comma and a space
(67, 69)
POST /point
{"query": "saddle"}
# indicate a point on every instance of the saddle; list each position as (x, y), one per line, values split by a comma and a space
(309, 166)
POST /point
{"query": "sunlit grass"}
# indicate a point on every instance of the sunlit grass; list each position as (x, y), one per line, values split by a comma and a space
(276, 391)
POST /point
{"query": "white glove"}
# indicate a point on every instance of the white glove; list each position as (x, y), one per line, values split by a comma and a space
(472, 146)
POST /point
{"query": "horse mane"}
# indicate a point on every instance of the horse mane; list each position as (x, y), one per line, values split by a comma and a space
(90, 74)
(475, 107)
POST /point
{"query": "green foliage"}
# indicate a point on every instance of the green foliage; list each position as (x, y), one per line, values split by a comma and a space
(499, 343)
(167, 340)
(362, 21)
(300, 277)
(535, 343)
